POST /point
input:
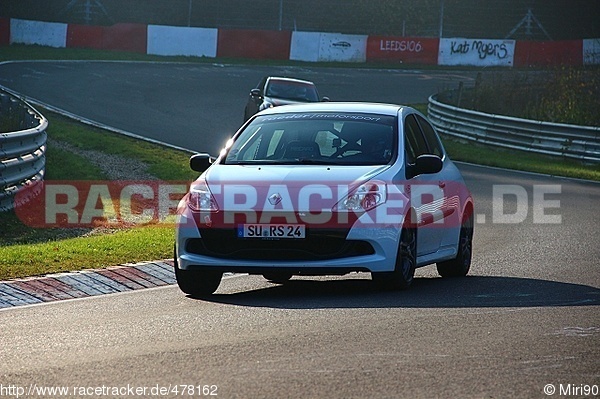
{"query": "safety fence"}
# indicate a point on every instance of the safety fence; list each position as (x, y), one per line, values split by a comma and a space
(22, 150)
(306, 46)
(569, 141)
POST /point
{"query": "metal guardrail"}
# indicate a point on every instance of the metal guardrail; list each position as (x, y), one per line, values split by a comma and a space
(22, 152)
(569, 141)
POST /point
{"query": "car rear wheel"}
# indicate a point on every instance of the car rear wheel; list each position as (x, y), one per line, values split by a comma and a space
(406, 263)
(459, 266)
(278, 277)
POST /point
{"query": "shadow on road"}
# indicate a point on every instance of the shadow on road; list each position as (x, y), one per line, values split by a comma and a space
(468, 292)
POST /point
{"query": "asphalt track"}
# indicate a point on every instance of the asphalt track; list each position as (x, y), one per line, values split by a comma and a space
(198, 106)
(525, 321)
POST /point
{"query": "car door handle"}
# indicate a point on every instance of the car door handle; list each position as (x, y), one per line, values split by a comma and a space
(442, 184)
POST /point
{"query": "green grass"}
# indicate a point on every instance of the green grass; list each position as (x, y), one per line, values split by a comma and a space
(165, 164)
(109, 249)
(17, 52)
(72, 166)
(519, 160)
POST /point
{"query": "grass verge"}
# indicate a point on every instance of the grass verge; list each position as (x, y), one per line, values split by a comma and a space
(101, 250)
(520, 160)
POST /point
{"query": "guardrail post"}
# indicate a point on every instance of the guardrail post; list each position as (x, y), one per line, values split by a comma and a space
(460, 92)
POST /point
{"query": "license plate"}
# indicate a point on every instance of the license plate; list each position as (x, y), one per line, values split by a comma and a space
(294, 231)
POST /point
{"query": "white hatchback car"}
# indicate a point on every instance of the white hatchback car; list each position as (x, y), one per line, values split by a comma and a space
(325, 189)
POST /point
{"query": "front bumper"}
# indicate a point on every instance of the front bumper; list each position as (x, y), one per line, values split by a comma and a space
(323, 251)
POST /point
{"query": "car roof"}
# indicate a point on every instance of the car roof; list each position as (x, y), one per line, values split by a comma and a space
(352, 107)
(291, 80)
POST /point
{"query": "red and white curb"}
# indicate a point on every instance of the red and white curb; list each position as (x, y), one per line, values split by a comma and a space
(85, 283)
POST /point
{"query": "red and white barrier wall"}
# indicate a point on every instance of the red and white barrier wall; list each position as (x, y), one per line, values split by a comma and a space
(257, 44)
(4, 31)
(301, 46)
(174, 40)
(123, 37)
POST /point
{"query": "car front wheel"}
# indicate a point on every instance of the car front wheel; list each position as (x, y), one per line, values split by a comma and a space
(197, 284)
(406, 263)
(459, 266)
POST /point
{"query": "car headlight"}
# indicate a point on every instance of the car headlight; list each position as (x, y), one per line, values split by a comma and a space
(200, 198)
(365, 197)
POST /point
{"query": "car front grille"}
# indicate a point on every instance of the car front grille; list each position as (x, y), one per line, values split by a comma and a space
(319, 244)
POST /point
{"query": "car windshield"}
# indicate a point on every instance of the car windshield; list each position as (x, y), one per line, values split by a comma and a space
(297, 91)
(320, 139)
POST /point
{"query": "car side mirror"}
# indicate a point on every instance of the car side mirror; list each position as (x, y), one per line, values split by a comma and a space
(426, 164)
(325, 99)
(201, 162)
(255, 93)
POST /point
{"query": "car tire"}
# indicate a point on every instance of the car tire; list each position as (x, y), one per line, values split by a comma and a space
(406, 262)
(278, 277)
(197, 283)
(460, 266)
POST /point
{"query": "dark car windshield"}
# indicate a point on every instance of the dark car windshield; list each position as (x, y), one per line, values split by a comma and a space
(319, 139)
(290, 90)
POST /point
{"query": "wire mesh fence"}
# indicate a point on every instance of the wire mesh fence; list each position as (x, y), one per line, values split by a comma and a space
(517, 19)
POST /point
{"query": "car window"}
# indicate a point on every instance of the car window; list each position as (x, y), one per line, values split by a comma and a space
(250, 148)
(296, 91)
(274, 142)
(329, 142)
(433, 141)
(414, 141)
(315, 138)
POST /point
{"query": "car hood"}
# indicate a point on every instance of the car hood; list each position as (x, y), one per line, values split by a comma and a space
(261, 182)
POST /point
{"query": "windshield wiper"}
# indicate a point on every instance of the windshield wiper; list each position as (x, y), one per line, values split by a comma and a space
(301, 161)
(311, 161)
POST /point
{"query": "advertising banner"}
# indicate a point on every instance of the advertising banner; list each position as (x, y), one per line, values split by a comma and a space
(50, 34)
(328, 47)
(337, 47)
(406, 50)
(476, 52)
(305, 46)
(177, 40)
